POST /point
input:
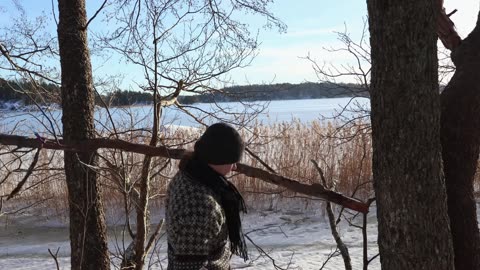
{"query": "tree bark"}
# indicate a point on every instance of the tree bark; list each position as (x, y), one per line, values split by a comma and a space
(87, 223)
(414, 231)
(460, 136)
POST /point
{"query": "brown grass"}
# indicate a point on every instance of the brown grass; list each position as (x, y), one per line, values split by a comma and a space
(344, 155)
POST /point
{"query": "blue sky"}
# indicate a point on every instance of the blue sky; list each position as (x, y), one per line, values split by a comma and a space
(311, 26)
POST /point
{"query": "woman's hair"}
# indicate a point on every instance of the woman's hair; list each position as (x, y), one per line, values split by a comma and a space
(183, 161)
(219, 144)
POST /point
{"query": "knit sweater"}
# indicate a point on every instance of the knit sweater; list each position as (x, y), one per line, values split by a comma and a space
(196, 227)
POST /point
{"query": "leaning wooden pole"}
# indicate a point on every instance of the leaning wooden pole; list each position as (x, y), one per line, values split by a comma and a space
(315, 190)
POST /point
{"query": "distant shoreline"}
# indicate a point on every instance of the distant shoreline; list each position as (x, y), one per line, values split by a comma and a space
(17, 106)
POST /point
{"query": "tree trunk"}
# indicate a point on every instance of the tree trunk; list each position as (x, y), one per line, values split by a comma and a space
(87, 223)
(460, 134)
(414, 231)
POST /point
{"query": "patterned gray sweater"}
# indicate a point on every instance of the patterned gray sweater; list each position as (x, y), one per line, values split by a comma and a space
(196, 227)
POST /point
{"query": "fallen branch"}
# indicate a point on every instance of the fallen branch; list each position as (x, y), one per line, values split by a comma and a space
(316, 190)
(91, 145)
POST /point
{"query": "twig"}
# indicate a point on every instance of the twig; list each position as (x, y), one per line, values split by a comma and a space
(23, 208)
(25, 178)
(154, 236)
(264, 253)
(54, 256)
(331, 255)
(95, 15)
(333, 226)
(259, 160)
(4, 51)
(374, 257)
(366, 261)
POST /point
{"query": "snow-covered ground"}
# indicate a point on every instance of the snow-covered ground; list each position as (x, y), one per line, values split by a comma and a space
(291, 239)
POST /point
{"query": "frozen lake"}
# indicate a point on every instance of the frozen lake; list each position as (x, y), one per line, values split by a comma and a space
(304, 110)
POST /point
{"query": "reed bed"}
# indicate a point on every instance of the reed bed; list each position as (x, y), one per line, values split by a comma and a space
(344, 154)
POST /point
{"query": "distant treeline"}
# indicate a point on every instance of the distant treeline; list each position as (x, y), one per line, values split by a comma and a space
(280, 92)
(251, 93)
(16, 91)
(48, 93)
(236, 93)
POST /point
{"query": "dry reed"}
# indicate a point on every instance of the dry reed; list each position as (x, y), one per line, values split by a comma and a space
(344, 154)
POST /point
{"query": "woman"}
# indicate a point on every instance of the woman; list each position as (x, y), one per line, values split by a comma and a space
(203, 207)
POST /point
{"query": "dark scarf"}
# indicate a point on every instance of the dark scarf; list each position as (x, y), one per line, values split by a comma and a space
(230, 199)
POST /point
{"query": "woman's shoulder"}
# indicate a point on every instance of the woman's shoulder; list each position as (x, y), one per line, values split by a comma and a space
(184, 187)
(183, 180)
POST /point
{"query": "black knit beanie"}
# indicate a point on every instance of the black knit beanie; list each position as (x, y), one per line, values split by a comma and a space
(220, 144)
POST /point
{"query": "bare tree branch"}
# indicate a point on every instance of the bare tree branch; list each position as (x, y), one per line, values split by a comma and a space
(333, 226)
(330, 256)
(55, 257)
(154, 236)
(95, 15)
(20, 210)
(16, 67)
(25, 178)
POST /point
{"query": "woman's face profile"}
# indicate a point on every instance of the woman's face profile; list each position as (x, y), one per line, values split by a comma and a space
(224, 169)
